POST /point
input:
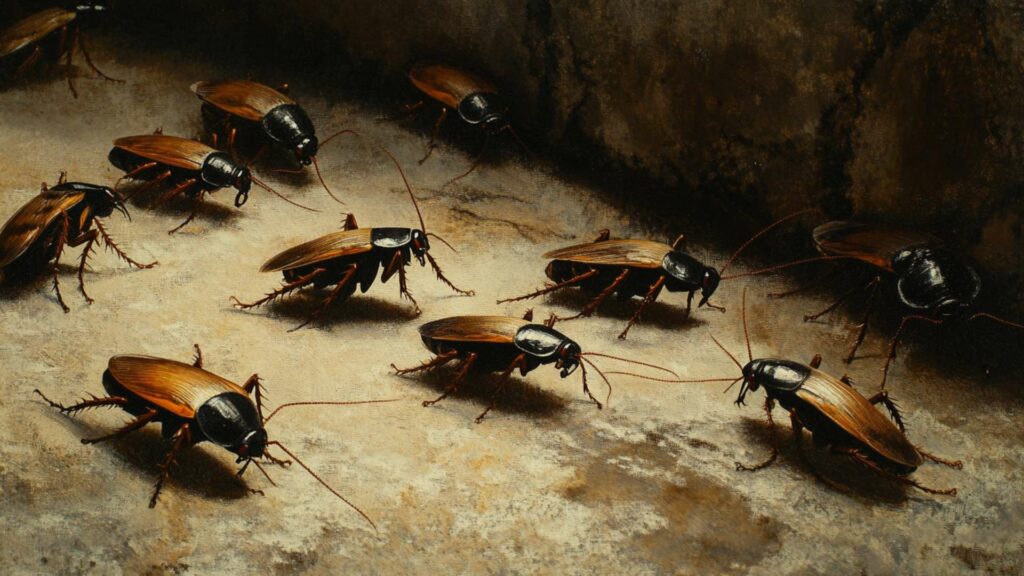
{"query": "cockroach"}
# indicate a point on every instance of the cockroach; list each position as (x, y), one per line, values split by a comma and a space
(352, 257)
(66, 215)
(475, 99)
(837, 416)
(193, 406)
(632, 268)
(235, 110)
(504, 344)
(187, 166)
(933, 283)
(28, 36)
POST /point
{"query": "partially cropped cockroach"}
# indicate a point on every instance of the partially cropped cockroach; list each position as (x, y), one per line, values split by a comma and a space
(187, 166)
(192, 406)
(933, 283)
(634, 268)
(836, 414)
(64, 26)
(475, 99)
(241, 110)
(60, 216)
(352, 257)
(504, 344)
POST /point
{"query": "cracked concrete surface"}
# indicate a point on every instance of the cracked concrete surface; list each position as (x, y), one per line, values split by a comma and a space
(547, 484)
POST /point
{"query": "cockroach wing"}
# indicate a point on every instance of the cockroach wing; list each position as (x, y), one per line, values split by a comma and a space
(249, 100)
(876, 245)
(25, 227)
(334, 245)
(170, 150)
(859, 418)
(496, 329)
(33, 28)
(632, 253)
(174, 386)
(448, 85)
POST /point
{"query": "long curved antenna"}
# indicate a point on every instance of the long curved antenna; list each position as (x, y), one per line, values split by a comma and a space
(321, 481)
(520, 141)
(992, 317)
(316, 167)
(265, 475)
(729, 354)
(291, 404)
(260, 183)
(763, 231)
(788, 265)
(729, 387)
(443, 241)
(476, 162)
(338, 133)
(629, 361)
(724, 379)
(603, 377)
(746, 333)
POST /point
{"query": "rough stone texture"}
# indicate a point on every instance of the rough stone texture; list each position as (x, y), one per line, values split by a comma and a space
(547, 484)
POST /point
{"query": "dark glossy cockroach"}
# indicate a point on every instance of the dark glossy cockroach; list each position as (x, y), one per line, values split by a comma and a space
(835, 413)
(473, 98)
(65, 215)
(241, 110)
(28, 37)
(193, 406)
(933, 284)
(634, 268)
(352, 257)
(187, 166)
(504, 344)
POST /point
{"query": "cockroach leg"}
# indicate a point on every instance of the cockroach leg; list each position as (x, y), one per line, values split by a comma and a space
(437, 130)
(816, 361)
(62, 238)
(88, 59)
(350, 222)
(951, 463)
(349, 273)
(769, 404)
(197, 201)
(66, 52)
(403, 290)
(108, 241)
(454, 384)
(181, 438)
(428, 366)
(593, 305)
(153, 183)
(873, 287)
(895, 340)
(842, 298)
(652, 293)
(276, 460)
(175, 191)
(552, 288)
(894, 410)
(798, 438)
(444, 279)
(845, 379)
(519, 362)
(90, 240)
(393, 265)
(128, 428)
(93, 402)
(282, 291)
(603, 235)
(860, 457)
(29, 62)
(680, 243)
(197, 358)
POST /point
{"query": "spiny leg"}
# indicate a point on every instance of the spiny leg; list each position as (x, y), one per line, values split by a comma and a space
(82, 263)
(951, 463)
(652, 293)
(890, 405)
(433, 136)
(593, 305)
(895, 340)
(62, 239)
(66, 52)
(429, 365)
(174, 191)
(153, 183)
(108, 241)
(816, 361)
(197, 201)
(392, 266)
(873, 286)
(349, 273)
(603, 235)
(769, 404)
(403, 290)
(282, 291)
(444, 280)
(553, 287)
(860, 457)
(519, 362)
(454, 384)
(181, 438)
(197, 358)
(88, 59)
(29, 62)
(842, 298)
(94, 402)
(128, 428)
(798, 438)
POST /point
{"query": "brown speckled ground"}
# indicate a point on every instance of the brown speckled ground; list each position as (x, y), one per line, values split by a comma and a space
(547, 484)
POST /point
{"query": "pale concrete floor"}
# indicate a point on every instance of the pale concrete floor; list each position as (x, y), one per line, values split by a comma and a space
(547, 484)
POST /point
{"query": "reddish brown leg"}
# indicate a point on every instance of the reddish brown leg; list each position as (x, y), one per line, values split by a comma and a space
(603, 236)
(93, 402)
(349, 273)
(842, 298)
(174, 191)
(433, 137)
(196, 202)
(182, 438)
(29, 62)
(798, 438)
(282, 291)
(108, 241)
(592, 306)
(769, 404)
(128, 428)
(873, 286)
(88, 59)
(890, 405)
(951, 463)
(680, 243)
(553, 287)
(350, 222)
(444, 280)
(519, 362)
(403, 289)
(454, 385)
(858, 456)
(152, 183)
(90, 239)
(197, 357)
(135, 172)
(393, 265)
(816, 361)
(652, 294)
(62, 238)
(66, 52)
(428, 366)
(895, 340)
(254, 387)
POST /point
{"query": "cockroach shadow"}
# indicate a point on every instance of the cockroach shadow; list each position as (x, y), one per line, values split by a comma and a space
(517, 396)
(657, 313)
(368, 310)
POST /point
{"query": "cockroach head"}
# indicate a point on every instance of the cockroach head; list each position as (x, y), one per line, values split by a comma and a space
(104, 201)
(306, 149)
(569, 354)
(89, 13)
(252, 446)
(750, 380)
(708, 284)
(420, 245)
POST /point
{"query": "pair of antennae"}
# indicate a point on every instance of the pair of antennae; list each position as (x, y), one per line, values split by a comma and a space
(761, 233)
(603, 375)
(480, 153)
